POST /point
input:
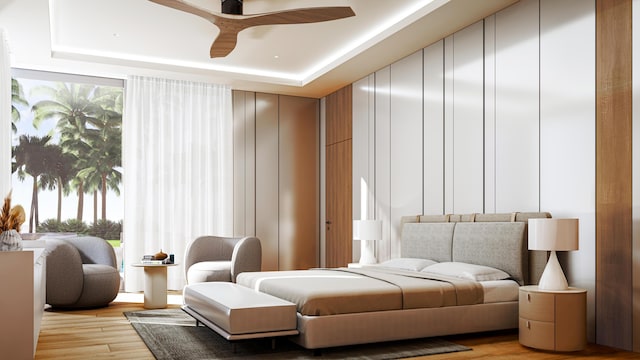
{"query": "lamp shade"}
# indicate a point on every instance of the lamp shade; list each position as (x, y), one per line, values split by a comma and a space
(367, 229)
(553, 234)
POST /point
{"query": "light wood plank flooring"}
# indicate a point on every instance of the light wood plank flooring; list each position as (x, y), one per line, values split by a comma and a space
(106, 334)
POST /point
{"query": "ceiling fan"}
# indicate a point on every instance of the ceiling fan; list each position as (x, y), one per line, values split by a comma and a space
(231, 21)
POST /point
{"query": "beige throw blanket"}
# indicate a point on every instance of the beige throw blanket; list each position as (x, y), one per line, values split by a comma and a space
(342, 291)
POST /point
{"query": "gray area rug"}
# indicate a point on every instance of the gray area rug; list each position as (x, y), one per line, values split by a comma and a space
(172, 334)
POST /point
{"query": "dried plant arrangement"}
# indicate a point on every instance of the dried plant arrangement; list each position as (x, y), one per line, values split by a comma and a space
(11, 218)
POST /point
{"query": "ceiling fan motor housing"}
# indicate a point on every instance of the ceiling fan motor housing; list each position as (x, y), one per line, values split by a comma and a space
(232, 7)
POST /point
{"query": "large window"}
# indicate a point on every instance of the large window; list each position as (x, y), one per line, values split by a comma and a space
(66, 152)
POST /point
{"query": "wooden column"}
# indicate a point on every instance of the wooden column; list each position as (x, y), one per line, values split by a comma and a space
(613, 174)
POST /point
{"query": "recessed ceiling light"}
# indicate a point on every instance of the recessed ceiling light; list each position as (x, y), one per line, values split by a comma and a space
(276, 56)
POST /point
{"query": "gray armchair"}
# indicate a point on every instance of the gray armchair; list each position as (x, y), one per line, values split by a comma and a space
(216, 258)
(81, 272)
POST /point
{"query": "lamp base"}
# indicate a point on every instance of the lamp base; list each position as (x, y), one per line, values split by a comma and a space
(553, 278)
(366, 253)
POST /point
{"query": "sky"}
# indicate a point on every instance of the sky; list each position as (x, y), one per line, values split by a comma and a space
(48, 200)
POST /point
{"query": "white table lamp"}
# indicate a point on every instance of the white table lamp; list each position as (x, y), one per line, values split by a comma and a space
(553, 235)
(367, 231)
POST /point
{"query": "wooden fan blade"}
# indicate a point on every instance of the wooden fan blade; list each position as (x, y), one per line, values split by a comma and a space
(299, 16)
(224, 43)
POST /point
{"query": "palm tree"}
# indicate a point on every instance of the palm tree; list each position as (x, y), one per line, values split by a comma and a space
(106, 140)
(59, 169)
(17, 99)
(31, 159)
(71, 106)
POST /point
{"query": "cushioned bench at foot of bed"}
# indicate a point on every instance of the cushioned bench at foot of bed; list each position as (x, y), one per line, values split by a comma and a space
(237, 312)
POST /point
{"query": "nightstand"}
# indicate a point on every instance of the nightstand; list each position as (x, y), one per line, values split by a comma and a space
(553, 320)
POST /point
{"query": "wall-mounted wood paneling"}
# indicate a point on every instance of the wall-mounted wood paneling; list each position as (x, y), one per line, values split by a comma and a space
(299, 173)
(339, 197)
(614, 275)
(338, 123)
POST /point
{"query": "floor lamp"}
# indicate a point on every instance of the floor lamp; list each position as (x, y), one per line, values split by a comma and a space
(367, 231)
(553, 235)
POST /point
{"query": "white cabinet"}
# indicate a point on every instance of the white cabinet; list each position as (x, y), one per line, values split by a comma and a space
(22, 303)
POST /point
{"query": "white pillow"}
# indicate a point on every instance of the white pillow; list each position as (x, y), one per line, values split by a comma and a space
(407, 263)
(467, 271)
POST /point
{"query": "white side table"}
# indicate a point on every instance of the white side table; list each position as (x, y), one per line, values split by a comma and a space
(155, 285)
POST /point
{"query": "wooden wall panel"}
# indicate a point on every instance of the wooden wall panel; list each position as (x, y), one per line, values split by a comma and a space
(339, 227)
(299, 174)
(338, 115)
(614, 174)
(339, 198)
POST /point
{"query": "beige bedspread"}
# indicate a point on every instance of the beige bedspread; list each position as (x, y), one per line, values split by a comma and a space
(343, 291)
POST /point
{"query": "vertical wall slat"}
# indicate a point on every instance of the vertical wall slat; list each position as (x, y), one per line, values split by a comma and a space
(406, 143)
(468, 118)
(614, 176)
(383, 159)
(434, 128)
(517, 107)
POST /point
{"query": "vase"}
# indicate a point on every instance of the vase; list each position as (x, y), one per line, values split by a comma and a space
(10, 240)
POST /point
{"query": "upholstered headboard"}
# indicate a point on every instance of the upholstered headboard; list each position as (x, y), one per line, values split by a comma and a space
(496, 240)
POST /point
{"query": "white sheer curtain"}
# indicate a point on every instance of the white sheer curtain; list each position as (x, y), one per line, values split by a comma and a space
(178, 167)
(5, 118)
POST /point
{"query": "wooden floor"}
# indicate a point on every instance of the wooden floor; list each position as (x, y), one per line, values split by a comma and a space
(106, 334)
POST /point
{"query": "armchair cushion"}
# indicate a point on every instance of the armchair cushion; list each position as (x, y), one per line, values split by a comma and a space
(216, 258)
(209, 271)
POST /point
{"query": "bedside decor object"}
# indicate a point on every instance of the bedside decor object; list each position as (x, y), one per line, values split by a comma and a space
(553, 235)
(367, 231)
(11, 218)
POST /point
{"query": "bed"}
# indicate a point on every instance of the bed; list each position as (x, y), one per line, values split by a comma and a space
(456, 274)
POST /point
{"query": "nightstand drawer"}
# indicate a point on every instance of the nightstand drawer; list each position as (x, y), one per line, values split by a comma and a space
(537, 334)
(537, 306)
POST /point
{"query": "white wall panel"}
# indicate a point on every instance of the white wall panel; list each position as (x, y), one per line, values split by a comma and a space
(517, 107)
(468, 117)
(490, 114)
(434, 128)
(363, 139)
(383, 160)
(406, 142)
(448, 125)
(267, 195)
(567, 112)
(244, 163)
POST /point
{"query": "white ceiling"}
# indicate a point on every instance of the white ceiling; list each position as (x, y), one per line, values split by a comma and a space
(116, 38)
